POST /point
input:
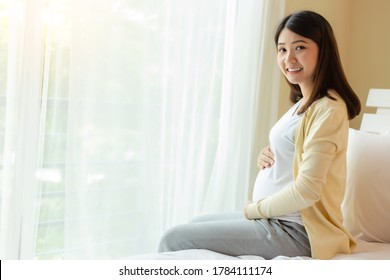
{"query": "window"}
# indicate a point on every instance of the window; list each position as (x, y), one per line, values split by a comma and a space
(4, 16)
(142, 115)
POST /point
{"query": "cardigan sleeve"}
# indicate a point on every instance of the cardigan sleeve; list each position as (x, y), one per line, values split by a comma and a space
(324, 134)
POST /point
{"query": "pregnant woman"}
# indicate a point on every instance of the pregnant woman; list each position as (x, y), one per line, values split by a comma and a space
(296, 204)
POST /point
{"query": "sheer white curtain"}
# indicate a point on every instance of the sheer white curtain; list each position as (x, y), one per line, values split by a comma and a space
(21, 126)
(127, 117)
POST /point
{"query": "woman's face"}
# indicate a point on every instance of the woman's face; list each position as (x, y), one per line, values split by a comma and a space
(297, 59)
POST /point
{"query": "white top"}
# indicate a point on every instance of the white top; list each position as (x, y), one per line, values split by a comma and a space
(280, 174)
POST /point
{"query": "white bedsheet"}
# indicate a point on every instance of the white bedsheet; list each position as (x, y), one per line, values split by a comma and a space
(364, 251)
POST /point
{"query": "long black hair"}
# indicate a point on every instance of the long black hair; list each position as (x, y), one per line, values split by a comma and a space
(329, 73)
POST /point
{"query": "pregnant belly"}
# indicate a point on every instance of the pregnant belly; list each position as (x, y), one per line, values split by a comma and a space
(268, 183)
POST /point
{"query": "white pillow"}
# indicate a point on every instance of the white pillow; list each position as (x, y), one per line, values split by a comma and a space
(366, 206)
(385, 131)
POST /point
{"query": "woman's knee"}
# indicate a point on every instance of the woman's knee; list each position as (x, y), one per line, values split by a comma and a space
(174, 239)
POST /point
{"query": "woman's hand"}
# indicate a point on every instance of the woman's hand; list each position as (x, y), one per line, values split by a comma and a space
(266, 158)
(245, 209)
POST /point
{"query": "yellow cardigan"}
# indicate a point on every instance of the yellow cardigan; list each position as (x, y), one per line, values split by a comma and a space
(319, 179)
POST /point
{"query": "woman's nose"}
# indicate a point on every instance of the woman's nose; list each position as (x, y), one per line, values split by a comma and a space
(290, 58)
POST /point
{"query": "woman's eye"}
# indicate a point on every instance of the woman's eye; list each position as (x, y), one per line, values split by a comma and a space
(300, 48)
(282, 50)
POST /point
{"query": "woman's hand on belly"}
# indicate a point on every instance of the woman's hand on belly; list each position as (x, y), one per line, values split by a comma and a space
(245, 209)
(266, 158)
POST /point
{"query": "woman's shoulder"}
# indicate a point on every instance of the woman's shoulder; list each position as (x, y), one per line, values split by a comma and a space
(332, 102)
(329, 109)
(328, 115)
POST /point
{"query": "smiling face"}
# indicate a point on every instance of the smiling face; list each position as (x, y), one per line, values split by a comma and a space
(297, 59)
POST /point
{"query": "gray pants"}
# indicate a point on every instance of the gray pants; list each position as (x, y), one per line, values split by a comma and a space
(232, 234)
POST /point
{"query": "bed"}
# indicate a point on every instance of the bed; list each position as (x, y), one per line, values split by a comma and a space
(366, 205)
